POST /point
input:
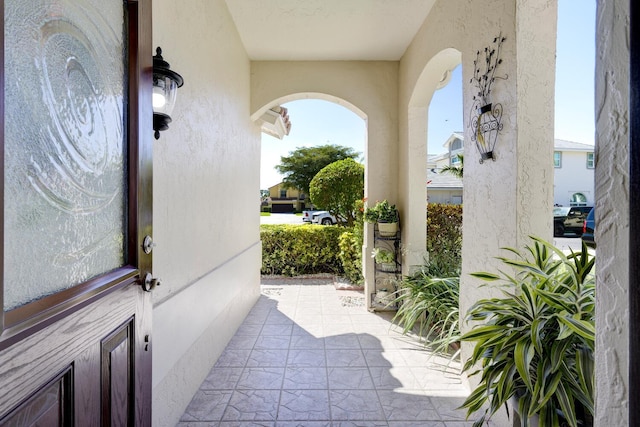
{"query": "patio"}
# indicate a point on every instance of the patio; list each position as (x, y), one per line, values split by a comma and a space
(310, 355)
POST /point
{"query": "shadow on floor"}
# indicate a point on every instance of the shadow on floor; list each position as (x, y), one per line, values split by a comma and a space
(308, 355)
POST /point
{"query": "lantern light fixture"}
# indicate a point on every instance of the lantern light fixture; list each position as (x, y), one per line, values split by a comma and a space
(165, 87)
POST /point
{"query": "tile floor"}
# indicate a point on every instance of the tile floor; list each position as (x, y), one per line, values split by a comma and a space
(310, 355)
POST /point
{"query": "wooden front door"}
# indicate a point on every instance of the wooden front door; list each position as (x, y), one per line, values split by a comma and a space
(75, 325)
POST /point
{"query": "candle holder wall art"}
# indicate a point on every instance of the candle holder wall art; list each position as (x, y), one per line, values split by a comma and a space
(486, 116)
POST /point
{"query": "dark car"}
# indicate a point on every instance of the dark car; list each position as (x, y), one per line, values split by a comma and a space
(569, 219)
(589, 229)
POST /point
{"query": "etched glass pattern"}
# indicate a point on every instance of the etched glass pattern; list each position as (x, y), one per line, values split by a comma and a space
(64, 201)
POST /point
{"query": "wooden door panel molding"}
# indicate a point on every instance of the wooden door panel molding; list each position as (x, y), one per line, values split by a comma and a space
(52, 405)
(117, 369)
(39, 314)
(27, 364)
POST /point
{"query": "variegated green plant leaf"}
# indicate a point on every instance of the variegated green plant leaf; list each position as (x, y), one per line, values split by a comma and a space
(523, 354)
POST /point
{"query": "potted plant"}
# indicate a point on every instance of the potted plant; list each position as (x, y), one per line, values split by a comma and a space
(536, 344)
(385, 215)
(385, 259)
(384, 297)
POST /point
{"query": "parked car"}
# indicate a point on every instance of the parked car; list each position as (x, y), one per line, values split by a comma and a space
(324, 218)
(307, 216)
(569, 219)
(589, 229)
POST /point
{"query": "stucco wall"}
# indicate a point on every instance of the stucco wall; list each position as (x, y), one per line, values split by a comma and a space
(573, 177)
(612, 204)
(451, 197)
(208, 249)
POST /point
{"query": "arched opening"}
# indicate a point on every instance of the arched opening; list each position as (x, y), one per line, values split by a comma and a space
(313, 121)
(433, 197)
(442, 69)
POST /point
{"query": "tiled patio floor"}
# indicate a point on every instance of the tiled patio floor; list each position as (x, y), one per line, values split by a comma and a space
(311, 355)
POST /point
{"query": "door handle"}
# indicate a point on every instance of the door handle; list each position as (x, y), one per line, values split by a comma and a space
(150, 282)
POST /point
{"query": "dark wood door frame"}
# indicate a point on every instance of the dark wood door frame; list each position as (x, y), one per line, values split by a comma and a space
(19, 326)
(19, 323)
(634, 208)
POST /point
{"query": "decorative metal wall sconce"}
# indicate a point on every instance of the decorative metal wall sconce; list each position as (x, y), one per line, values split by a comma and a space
(486, 117)
(165, 88)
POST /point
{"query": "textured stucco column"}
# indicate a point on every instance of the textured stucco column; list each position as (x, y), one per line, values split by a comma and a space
(413, 188)
(612, 205)
(508, 199)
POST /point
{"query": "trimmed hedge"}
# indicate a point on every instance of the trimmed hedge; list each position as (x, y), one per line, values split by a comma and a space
(444, 239)
(293, 250)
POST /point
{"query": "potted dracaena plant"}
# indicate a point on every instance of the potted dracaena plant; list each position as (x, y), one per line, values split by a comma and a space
(535, 345)
(386, 217)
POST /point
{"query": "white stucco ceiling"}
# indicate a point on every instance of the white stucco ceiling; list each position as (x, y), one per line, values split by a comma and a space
(311, 30)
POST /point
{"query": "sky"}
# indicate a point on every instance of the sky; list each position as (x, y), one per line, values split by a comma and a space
(317, 122)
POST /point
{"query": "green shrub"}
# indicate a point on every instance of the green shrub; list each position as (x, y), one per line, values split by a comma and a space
(351, 247)
(444, 239)
(266, 209)
(351, 256)
(337, 188)
(429, 298)
(293, 250)
(430, 306)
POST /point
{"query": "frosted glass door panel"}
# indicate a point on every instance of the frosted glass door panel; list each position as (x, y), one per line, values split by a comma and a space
(64, 179)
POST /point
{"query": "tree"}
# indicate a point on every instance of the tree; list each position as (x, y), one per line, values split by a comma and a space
(337, 188)
(302, 164)
(456, 171)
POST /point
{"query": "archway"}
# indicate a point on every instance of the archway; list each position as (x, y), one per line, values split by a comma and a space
(436, 74)
(312, 121)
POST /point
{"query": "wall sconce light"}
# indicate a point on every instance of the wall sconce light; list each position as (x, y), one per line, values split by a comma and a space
(486, 117)
(165, 88)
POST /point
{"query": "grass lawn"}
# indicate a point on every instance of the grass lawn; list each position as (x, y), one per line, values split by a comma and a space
(265, 213)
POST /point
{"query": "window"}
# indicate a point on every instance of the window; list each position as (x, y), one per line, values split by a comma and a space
(591, 163)
(557, 159)
(455, 160)
(456, 144)
(283, 193)
(578, 199)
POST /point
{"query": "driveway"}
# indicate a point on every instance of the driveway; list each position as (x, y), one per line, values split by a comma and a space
(281, 218)
(568, 243)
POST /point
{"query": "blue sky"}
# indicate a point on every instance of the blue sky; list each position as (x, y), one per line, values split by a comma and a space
(317, 122)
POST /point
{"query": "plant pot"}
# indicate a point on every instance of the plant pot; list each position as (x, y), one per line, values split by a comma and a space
(389, 267)
(513, 403)
(384, 297)
(388, 229)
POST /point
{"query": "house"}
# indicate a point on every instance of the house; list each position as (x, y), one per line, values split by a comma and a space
(98, 213)
(282, 199)
(573, 162)
(573, 170)
(443, 187)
